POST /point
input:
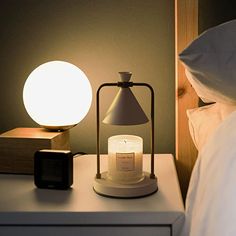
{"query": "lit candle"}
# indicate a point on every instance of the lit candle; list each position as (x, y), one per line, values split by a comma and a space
(125, 159)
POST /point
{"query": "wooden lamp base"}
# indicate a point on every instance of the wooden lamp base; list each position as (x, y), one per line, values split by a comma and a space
(17, 147)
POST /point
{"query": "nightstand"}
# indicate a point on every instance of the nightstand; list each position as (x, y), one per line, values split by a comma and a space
(26, 210)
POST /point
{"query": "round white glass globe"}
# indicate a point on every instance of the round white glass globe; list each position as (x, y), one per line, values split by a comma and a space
(57, 95)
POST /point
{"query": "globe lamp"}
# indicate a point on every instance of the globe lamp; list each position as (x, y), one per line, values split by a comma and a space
(57, 95)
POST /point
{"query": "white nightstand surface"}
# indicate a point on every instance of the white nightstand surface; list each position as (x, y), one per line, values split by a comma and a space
(21, 203)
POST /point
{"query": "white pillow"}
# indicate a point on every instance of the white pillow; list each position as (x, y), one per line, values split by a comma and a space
(210, 61)
(203, 121)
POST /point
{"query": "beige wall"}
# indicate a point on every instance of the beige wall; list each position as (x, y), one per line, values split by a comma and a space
(101, 37)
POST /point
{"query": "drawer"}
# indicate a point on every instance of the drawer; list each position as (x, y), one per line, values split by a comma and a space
(85, 230)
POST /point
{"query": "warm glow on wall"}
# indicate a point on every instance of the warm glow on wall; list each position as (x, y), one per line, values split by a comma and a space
(57, 95)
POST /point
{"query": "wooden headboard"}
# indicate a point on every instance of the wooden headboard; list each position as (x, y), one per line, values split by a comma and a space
(186, 29)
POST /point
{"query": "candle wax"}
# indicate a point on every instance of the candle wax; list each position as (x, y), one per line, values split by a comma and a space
(125, 159)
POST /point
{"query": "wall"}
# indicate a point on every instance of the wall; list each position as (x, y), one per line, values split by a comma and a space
(212, 13)
(101, 37)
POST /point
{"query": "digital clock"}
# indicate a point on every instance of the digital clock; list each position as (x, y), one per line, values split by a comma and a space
(53, 169)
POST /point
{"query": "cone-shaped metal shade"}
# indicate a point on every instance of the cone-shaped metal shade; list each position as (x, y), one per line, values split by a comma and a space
(125, 110)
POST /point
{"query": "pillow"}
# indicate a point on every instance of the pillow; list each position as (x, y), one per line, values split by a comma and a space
(210, 62)
(203, 121)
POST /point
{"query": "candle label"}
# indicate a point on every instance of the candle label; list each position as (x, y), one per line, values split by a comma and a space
(125, 161)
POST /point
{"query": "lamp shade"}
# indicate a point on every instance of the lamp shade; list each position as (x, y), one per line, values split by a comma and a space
(125, 110)
(57, 95)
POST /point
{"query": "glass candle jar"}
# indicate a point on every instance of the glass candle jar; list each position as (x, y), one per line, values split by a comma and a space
(125, 159)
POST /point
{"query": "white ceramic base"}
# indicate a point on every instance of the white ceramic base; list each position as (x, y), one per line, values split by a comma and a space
(108, 188)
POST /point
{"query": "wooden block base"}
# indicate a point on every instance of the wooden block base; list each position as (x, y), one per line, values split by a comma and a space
(17, 147)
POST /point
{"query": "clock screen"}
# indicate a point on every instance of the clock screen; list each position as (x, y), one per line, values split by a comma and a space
(51, 170)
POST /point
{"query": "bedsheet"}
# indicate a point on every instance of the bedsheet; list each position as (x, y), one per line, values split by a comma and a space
(211, 198)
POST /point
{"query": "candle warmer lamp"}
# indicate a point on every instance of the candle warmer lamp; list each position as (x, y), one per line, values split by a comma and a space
(125, 177)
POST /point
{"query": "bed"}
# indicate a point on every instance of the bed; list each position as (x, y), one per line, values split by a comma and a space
(205, 136)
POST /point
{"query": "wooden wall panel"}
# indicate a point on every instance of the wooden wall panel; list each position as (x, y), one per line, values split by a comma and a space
(186, 29)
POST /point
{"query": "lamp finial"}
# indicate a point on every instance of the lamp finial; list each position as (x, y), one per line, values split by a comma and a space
(125, 76)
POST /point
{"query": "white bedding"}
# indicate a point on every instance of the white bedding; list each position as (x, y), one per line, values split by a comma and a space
(211, 199)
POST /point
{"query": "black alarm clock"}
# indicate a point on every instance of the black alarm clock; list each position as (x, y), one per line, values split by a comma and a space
(53, 169)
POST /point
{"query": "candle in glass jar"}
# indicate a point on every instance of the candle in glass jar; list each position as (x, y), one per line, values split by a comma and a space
(125, 159)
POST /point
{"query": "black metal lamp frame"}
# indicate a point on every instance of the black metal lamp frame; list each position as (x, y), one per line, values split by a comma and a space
(125, 85)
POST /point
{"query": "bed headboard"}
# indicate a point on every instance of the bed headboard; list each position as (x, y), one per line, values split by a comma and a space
(186, 29)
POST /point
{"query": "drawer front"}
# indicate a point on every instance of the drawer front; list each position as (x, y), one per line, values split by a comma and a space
(84, 231)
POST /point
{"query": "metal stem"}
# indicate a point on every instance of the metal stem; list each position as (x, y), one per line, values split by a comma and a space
(152, 175)
(98, 175)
